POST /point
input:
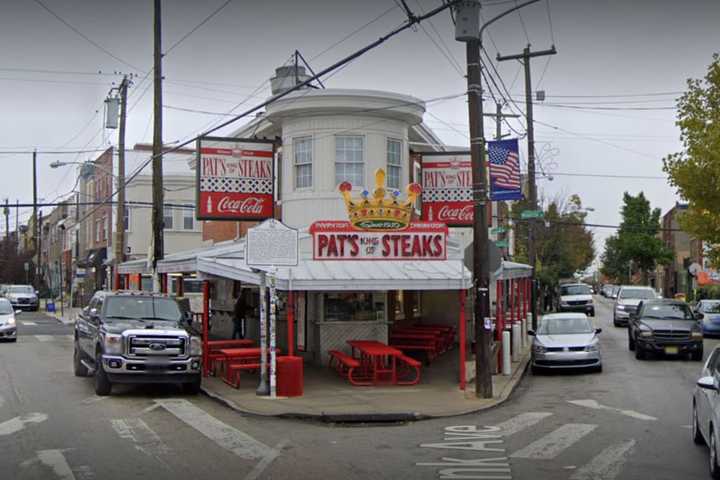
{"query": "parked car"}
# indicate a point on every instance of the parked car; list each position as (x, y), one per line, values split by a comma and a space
(8, 327)
(565, 340)
(628, 299)
(706, 410)
(606, 290)
(614, 292)
(576, 297)
(136, 337)
(23, 296)
(665, 326)
(711, 316)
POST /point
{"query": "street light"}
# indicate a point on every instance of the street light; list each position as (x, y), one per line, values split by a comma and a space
(58, 164)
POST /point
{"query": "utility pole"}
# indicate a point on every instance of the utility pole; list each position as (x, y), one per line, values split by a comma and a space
(36, 222)
(120, 221)
(6, 210)
(17, 226)
(157, 182)
(525, 56)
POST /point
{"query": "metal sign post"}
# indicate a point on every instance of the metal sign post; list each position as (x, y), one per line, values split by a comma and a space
(273, 337)
(263, 388)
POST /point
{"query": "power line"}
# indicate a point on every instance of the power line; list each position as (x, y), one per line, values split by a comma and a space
(85, 37)
(549, 15)
(522, 22)
(604, 175)
(52, 152)
(198, 26)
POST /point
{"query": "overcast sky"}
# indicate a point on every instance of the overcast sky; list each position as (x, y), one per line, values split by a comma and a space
(610, 53)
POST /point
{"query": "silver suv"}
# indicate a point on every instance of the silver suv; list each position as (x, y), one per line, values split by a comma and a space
(136, 337)
(628, 299)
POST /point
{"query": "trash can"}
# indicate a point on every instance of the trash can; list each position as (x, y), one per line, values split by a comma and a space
(290, 376)
(49, 306)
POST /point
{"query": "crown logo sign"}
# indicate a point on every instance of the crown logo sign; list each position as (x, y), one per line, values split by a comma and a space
(380, 211)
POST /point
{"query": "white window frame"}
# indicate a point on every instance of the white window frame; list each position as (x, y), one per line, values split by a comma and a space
(168, 212)
(296, 165)
(361, 162)
(188, 213)
(397, 166)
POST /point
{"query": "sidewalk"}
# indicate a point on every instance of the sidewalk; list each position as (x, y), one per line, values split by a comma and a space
(330, 398)
(68, 317)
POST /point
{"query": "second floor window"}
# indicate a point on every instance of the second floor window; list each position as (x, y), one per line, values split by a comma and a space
(302, 151)
(394, 163)
(349, 160)
(168, 218)
(188, 219)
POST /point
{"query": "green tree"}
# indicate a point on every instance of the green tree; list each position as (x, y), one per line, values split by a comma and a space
(695, 171)
(637, 240)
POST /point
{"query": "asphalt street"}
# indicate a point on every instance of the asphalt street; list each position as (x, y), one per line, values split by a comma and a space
(629, 422)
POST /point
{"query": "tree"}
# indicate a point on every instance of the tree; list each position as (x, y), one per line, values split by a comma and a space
(636, 241)
(695, 171)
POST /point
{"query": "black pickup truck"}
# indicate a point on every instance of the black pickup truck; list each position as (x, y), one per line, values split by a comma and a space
(136, 337)
(665, 326)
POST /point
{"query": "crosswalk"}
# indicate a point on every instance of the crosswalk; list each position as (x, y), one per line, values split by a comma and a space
(62, 338)
(605, 465)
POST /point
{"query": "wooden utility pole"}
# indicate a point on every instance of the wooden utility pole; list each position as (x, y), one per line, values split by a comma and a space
(525, 56)
(6, 211)
(157, 181)
(36, 222)
(120, 221)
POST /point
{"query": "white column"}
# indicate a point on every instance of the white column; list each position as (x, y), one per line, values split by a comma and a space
(506, 368)
(516, 342)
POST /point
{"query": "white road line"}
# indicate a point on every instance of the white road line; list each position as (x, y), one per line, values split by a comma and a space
(521, 422)
(2, 401)
(94, 399)
(607, 464)
(596, 406)
(553, 443)
(30, 324)
(18, 423)
(44, 338)
(56, 460)
(138, 432)
(230, 438)
(265, 462)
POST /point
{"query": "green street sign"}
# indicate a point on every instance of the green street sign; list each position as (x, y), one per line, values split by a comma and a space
(526, 214)
(502, 244)
(496, 230)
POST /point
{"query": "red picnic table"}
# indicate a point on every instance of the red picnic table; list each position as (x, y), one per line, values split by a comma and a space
(378, 359)
(214, 347)
(237, 359)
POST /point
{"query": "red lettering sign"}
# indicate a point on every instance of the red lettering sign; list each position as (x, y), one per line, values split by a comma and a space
(447, 188)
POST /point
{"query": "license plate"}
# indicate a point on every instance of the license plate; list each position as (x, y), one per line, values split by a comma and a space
(672, 350)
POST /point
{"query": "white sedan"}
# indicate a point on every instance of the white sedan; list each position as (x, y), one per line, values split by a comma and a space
(8, 329)
(706, 409)
(566, 340)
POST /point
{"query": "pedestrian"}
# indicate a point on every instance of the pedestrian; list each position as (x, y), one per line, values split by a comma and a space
(239, 316)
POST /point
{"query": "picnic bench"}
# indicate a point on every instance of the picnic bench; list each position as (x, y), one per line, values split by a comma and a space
(372, 362)
(214, 346)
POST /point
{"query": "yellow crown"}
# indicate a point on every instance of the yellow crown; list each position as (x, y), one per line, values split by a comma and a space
(380, 211)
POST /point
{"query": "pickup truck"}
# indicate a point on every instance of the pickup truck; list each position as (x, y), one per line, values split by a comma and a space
(136, 337)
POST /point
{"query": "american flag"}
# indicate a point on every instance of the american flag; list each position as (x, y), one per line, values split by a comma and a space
(504, 166)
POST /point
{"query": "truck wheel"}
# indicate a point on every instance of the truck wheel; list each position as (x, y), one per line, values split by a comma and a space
(697, 356)
(103, 387)
(192, 388)
(631, 342)
(79, 369)
(639, 352)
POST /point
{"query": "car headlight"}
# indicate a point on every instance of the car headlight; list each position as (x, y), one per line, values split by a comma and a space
(593, 347)
(620, 307)
(113, 344)
(539, 349)
(696, 334)
(11, 321)
(195, 346)
(645, 331)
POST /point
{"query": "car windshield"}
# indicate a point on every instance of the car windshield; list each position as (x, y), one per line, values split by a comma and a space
(21, 289)
(667, 311)
(637, 293)
(142, 308)
(575, 290)
(710, 307)
(5, 307)
(565, 326)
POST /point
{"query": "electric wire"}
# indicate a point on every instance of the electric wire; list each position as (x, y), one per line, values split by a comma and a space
(198, 26)
(522, 22)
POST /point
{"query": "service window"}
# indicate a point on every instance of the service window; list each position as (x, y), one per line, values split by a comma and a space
(354, 306)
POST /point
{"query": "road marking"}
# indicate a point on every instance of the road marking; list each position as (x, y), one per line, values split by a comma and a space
(56, 460)
(230, 438)
(94, 399)
(553, 443)
(596, 406)
(265, 462)
(45, 338)
(607, 464)
(521, 422)
(18, 423)
(29, 324)
(2, 401)
(138, 432)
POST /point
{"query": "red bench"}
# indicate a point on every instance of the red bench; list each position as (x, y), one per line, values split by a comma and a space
(345, 366)
(232, 372)
(408, 371)
(429, 348)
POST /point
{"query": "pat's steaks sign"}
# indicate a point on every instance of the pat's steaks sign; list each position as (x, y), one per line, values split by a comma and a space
(235, 179)
(338, 240)
(447, 188)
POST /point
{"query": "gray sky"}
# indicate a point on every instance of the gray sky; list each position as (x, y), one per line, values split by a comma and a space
(607, 50)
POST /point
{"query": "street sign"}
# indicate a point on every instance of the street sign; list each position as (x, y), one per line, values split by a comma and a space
(271, 244)
(497, 230)
(526, 214)
(27, 266)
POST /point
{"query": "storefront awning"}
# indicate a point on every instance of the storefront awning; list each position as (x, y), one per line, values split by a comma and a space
(134, 267)
(509, 270)
(94, 258)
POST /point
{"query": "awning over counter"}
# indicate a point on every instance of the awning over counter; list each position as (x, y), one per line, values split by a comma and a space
(509, 270)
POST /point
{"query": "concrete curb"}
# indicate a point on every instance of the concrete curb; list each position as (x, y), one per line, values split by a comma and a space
(379, 417)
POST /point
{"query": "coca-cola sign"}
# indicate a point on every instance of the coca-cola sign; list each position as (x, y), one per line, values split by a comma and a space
(447, 188)
(235, 179)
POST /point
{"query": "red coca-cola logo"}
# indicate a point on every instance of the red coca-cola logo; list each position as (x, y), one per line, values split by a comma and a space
(247, 206)
(459, 214)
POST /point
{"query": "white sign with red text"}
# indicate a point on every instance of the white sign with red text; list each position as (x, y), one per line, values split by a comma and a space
(447, 188)
(235, 179)
(338, 240)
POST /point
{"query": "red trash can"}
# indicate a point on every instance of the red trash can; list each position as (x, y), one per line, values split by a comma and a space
(290, 376)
